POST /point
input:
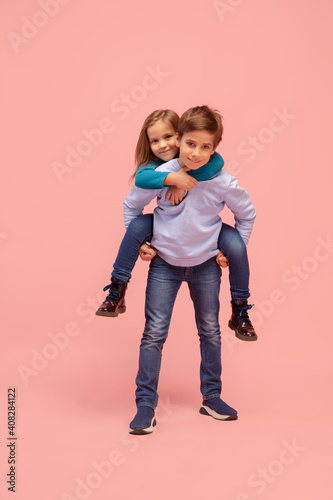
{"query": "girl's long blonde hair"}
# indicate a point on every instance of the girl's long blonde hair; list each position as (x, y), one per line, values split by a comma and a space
(143, 153)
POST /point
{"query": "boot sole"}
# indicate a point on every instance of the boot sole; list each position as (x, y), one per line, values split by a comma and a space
(204, 410)
(121, 310)
(239, 336)
(147, 430)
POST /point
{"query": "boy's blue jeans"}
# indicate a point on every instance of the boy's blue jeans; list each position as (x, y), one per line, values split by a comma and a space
(230, 242)
(163, 284)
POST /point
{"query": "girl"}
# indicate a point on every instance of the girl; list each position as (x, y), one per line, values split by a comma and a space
(156, 145)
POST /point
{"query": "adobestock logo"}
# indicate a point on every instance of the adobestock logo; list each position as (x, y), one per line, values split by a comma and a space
(265, 136)
(103, 470)
(44, 356)
(292, 278)
(257, 143)
(225, 7)
(264, 476)
(41, 358)
(30, 27)
(94, 137)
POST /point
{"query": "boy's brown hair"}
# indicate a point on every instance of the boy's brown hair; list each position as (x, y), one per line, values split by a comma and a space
(201, 118)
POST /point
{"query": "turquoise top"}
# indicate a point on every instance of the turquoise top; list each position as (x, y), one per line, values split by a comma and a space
(148, 178)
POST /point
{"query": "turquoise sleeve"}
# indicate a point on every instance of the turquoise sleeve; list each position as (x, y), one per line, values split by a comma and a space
(148, 178)
(213, 167)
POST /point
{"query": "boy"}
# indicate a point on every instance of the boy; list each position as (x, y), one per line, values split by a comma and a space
(185, 237)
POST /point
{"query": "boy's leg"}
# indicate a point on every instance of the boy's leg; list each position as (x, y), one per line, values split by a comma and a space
(138, 232)
(234, 248)
(204, 284)
(163, 284)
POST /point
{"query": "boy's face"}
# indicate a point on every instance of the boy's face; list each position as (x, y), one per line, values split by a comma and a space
(195, 149)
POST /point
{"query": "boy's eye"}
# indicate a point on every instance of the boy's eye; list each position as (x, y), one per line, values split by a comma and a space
(190, 144)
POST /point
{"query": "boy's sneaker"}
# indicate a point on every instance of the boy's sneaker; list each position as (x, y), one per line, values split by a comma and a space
(114, 303)
(143, 422)
(218, 409)
(240, 321)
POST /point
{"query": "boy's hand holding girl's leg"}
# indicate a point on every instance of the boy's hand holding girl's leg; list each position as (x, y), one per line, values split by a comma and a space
(222, 260)
(147, 252)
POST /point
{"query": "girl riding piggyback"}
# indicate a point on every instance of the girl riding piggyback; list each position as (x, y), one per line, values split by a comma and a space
(156, 145)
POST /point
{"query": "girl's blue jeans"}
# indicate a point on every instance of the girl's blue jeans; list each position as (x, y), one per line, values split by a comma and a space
(163, 284)
(230, 242)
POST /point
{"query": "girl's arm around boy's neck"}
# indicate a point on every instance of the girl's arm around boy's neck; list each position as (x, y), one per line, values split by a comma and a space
(147, 177)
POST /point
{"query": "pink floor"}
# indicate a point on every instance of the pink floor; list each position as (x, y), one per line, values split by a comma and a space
(73, 416)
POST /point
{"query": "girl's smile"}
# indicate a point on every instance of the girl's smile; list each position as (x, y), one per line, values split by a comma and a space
(162, 140)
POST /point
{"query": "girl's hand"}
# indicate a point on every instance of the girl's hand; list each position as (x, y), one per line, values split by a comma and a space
(147, 252)
(175, 194)
(181, 180)
(222, 260)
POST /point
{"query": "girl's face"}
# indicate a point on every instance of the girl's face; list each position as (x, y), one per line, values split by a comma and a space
(162, 140)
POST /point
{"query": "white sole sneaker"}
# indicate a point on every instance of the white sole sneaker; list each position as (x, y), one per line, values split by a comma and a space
(205, 410)
(140, 430)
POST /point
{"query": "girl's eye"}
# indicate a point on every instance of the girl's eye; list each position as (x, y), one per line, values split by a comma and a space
(190, 144)
(168, 136)
(154, 140)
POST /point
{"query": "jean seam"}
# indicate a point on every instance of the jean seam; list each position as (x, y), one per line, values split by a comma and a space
(231, 279)
(213, 396)
(131, 267)
(157, 375)
(146, 404)
(204, 386)
(138, 250)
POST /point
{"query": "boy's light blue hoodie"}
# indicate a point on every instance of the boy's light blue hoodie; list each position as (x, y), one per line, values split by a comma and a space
(186, 234)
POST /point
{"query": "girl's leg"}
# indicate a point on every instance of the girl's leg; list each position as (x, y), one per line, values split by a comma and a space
(234, 248)
(138, 232)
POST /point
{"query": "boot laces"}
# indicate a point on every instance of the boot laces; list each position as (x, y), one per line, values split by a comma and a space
(242, 314)
(114, 291)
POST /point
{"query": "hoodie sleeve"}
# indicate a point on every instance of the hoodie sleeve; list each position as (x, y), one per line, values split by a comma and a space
(239, 202)
(135, 202)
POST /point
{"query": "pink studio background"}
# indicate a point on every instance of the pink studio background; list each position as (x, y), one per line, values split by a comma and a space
(68, 67)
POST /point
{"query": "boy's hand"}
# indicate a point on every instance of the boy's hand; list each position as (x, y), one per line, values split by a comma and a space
(147, 252)
(222, 260)
(175, 194)
(181, 180)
